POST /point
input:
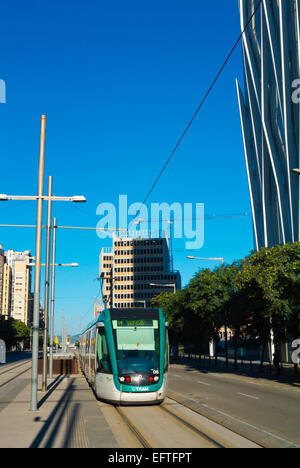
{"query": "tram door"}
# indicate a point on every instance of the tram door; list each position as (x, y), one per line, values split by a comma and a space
(104, 384)
(92, 364)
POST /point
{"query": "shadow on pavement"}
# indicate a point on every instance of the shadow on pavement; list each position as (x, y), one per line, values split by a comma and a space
(55, 419)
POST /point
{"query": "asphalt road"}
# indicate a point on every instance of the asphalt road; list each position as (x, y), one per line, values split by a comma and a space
(270, 406)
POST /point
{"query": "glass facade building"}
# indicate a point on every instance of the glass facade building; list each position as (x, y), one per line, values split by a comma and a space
(270, 110)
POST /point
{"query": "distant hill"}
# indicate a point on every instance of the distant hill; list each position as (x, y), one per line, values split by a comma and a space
(73, 338)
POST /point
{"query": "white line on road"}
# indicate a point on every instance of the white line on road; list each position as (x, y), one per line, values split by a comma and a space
(249, 396)
(204, 383)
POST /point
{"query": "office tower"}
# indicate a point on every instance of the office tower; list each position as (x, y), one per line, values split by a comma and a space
(270, 110)
(135, 270)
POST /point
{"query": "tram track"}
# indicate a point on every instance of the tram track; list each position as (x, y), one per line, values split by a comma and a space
(136, 432)
(15, 376)
(10, 369)
(173, 425)
(181, 431)
(193, 428)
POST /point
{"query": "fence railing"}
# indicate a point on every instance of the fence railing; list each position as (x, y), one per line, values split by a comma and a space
(203, 361)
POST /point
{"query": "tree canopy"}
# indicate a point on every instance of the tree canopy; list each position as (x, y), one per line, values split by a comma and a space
(251, 297)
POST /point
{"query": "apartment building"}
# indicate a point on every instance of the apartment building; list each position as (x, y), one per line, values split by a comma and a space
(2, 263)
(135, 270)
(6, 292)
(19, 283)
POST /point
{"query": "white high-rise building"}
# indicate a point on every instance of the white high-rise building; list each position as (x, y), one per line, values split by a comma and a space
(2, 263)
(136, 270)
(20, 284)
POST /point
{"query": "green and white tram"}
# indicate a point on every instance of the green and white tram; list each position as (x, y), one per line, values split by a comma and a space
(124, 355)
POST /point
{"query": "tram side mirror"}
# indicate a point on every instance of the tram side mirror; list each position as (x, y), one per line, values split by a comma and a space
(167, 324)
(100, 327)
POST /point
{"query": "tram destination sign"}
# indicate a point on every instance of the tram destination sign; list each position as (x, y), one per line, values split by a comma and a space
(137, 323)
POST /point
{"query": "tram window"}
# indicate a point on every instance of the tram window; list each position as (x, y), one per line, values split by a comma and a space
(137, 343)
(103, 354)
(93, 340)
(88, 335)
(167, 352)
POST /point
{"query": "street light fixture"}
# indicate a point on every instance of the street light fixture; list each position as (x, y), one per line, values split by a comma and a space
(296, 171)
(214, 259)
(56, 264)
(78, 199)
(105, 298)
(74, 199)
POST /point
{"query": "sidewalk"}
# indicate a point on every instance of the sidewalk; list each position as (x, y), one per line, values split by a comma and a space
(68, 416)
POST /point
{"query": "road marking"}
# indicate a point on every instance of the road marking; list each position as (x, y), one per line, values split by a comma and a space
(249, 396)
(204, 383)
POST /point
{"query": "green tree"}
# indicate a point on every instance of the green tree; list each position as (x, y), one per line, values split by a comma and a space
(210, 293)
(14, 332)
(270, 279)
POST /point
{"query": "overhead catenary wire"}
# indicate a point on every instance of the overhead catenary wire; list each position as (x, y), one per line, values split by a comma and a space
(202, 103)
(91, 228)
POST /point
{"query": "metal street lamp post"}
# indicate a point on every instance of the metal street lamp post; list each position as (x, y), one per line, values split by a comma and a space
(52, 299)
(47, 278)
(37, 276)
(214, 259)
(53, 265)
(38, 243)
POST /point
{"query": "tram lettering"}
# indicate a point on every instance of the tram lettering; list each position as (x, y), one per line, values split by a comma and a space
(118, 458)
(140, 389)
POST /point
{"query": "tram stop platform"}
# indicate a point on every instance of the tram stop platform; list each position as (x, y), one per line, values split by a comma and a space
(68, 416)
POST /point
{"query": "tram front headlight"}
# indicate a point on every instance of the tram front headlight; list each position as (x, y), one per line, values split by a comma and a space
(137, 379)
(122, 379)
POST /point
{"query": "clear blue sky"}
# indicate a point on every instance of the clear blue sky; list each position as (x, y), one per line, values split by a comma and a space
(118, 82)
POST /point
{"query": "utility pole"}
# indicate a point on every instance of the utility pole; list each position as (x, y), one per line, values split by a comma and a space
(47, 280)
(52, 298)
(63, 332)
(37, 276)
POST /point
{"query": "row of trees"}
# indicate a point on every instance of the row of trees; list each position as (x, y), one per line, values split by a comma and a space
(256, 298)
(15, 333)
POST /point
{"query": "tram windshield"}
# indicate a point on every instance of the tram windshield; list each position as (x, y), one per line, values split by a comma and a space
(137, 345)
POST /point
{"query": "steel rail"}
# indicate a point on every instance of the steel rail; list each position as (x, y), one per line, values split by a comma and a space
(9, 369)
(15, 377)
(192, 427)
(133, 429)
